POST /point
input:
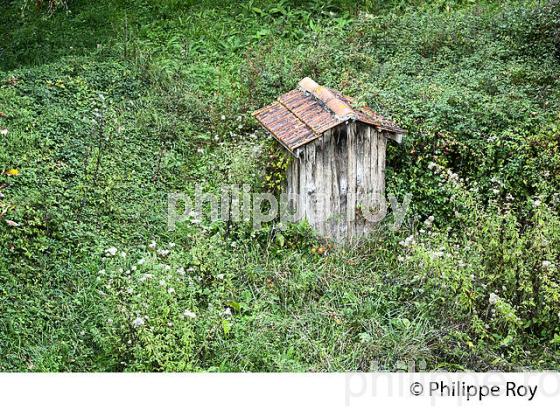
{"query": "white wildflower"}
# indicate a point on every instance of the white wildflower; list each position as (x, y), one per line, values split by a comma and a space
(162, 282)
(141, 261)
(138, 322)
(110, 321)
(429, 221)
(227, 312)
(220, 276)
(123, 254)
(101, 272)
(152, 245)
(181, 271)
(431, 165)
(171, 245)
(536, 203)
(163, 252)
(401, 258)
(191, 315)
(4, 131)
(437, 254)
(408, 241)
(493, 298)
(547, 264)
(170, 291)
(112, 251)
(223, 117)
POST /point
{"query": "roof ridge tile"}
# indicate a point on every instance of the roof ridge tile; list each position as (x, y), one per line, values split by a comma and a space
(341, 109)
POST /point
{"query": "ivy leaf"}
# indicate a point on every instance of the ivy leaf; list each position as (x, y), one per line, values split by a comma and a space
(226, 326)
(234, 305)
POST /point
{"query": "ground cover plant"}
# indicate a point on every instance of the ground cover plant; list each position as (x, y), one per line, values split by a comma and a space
(107, 106)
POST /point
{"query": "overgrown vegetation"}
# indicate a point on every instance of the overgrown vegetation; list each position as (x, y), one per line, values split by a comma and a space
(107, 106)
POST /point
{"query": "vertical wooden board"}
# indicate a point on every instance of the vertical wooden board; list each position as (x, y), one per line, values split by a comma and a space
(292, 176)
(335, 189)
(297, 189)
(373, 164)
(381, 150)
(351, 196)
(293, 183)
(319, 186)
(334, 200)
(310, 209)
(325, 184)
(289, 182)
(329, 175)
(360, 179)
(341, 158)
(367, 176)
(302, 191)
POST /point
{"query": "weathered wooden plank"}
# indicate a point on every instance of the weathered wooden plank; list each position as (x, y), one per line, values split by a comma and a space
(341, 157)
(325, 187)
(381, 149)
(367, 177)
(374, 167)
(328, 174)
(351, 195)
(297, 169)
(301, 189)
(360, 180)
(310, 189)
(319, 186)
(293, 183)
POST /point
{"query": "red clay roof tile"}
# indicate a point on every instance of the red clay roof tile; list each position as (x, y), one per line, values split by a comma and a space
(302, 115)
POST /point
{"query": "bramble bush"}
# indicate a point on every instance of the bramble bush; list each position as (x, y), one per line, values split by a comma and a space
(498, 278)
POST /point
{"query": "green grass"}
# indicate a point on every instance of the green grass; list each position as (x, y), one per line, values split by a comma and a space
(111, 105)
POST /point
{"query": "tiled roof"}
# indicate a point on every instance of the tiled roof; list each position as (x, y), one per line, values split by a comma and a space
(303, 114)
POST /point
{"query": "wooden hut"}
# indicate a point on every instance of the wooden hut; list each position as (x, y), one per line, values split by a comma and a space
(337, 177)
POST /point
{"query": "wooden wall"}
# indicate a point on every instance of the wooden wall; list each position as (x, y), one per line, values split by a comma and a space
(338, 178)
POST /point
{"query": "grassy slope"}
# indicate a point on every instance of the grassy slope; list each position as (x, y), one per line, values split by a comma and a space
(110, 107)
